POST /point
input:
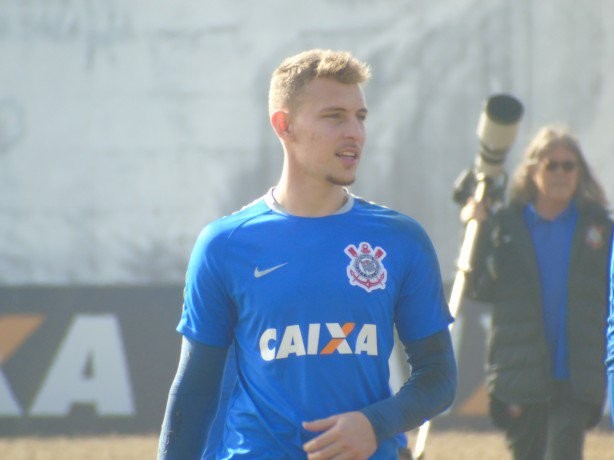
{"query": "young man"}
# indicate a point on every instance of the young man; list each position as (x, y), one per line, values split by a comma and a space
(307, 283)
(542, 261)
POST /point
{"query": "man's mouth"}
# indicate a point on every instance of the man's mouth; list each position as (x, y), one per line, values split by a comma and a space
(350, 155)
(349, 152)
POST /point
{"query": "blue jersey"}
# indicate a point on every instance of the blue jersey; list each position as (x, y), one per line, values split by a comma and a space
(310, 305)
(610, 336)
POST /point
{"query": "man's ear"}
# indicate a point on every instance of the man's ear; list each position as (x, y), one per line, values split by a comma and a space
(280, 121)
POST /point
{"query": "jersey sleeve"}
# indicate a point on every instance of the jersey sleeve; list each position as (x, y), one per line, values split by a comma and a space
(610, 335)
(208, 313)
(422, 309)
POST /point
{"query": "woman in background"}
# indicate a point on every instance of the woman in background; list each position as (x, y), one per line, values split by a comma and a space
(542, 262)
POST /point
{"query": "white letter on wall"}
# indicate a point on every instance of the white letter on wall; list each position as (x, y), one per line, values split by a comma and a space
(8, 403)
(89, 368)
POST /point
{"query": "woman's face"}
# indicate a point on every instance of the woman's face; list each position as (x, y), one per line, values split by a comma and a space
(556, 176)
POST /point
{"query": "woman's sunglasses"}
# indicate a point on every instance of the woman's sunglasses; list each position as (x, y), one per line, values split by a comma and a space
(567, 166)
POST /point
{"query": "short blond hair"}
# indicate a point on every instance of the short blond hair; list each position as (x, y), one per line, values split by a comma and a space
(295, 72)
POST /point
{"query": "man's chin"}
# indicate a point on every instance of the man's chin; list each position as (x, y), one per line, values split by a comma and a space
(343, 181)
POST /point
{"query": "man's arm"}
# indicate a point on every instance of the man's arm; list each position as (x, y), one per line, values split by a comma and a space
(429, 391)
(192, 401)
(610, 335)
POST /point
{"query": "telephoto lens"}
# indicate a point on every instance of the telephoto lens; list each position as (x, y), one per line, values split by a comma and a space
(497, 129)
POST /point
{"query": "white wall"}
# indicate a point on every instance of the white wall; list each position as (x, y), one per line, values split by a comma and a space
(126, 125)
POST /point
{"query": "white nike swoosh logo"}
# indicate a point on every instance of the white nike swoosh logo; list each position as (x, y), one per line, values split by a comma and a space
(260, 273)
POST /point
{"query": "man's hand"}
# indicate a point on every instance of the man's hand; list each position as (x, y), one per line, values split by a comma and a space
(345, 436)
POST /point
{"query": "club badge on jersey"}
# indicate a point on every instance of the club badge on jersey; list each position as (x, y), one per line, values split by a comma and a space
(595, 236)
(365, 268)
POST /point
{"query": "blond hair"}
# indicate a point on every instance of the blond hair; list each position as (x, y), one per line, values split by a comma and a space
(523, 189)
(295, 72)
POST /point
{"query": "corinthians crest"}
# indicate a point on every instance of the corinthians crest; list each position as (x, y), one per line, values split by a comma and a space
(365, 268)
(595, 237)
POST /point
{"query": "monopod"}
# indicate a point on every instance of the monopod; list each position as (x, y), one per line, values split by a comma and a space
(497, 129)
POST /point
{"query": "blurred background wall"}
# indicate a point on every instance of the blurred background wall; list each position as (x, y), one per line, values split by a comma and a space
(127, 125)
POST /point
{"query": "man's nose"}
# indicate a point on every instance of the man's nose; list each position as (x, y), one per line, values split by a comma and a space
(356, 129)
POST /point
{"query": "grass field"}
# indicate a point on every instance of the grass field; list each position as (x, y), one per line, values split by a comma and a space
(442, 445)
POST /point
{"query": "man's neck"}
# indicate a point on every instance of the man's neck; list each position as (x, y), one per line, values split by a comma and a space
(310, 201)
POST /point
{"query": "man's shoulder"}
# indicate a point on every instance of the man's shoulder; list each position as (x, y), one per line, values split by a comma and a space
(394, 223)
(379, 211)
(226, 225)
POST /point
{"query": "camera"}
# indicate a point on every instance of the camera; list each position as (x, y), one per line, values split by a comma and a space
(496, 131)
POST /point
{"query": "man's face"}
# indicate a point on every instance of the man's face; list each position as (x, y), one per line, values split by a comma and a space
(327, 133)
(556, 175)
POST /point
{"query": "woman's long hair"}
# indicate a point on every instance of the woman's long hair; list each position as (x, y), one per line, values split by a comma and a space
(522, 188)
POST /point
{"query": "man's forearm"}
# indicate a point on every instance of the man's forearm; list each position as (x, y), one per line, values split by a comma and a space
(429, 390)
(192, 401)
